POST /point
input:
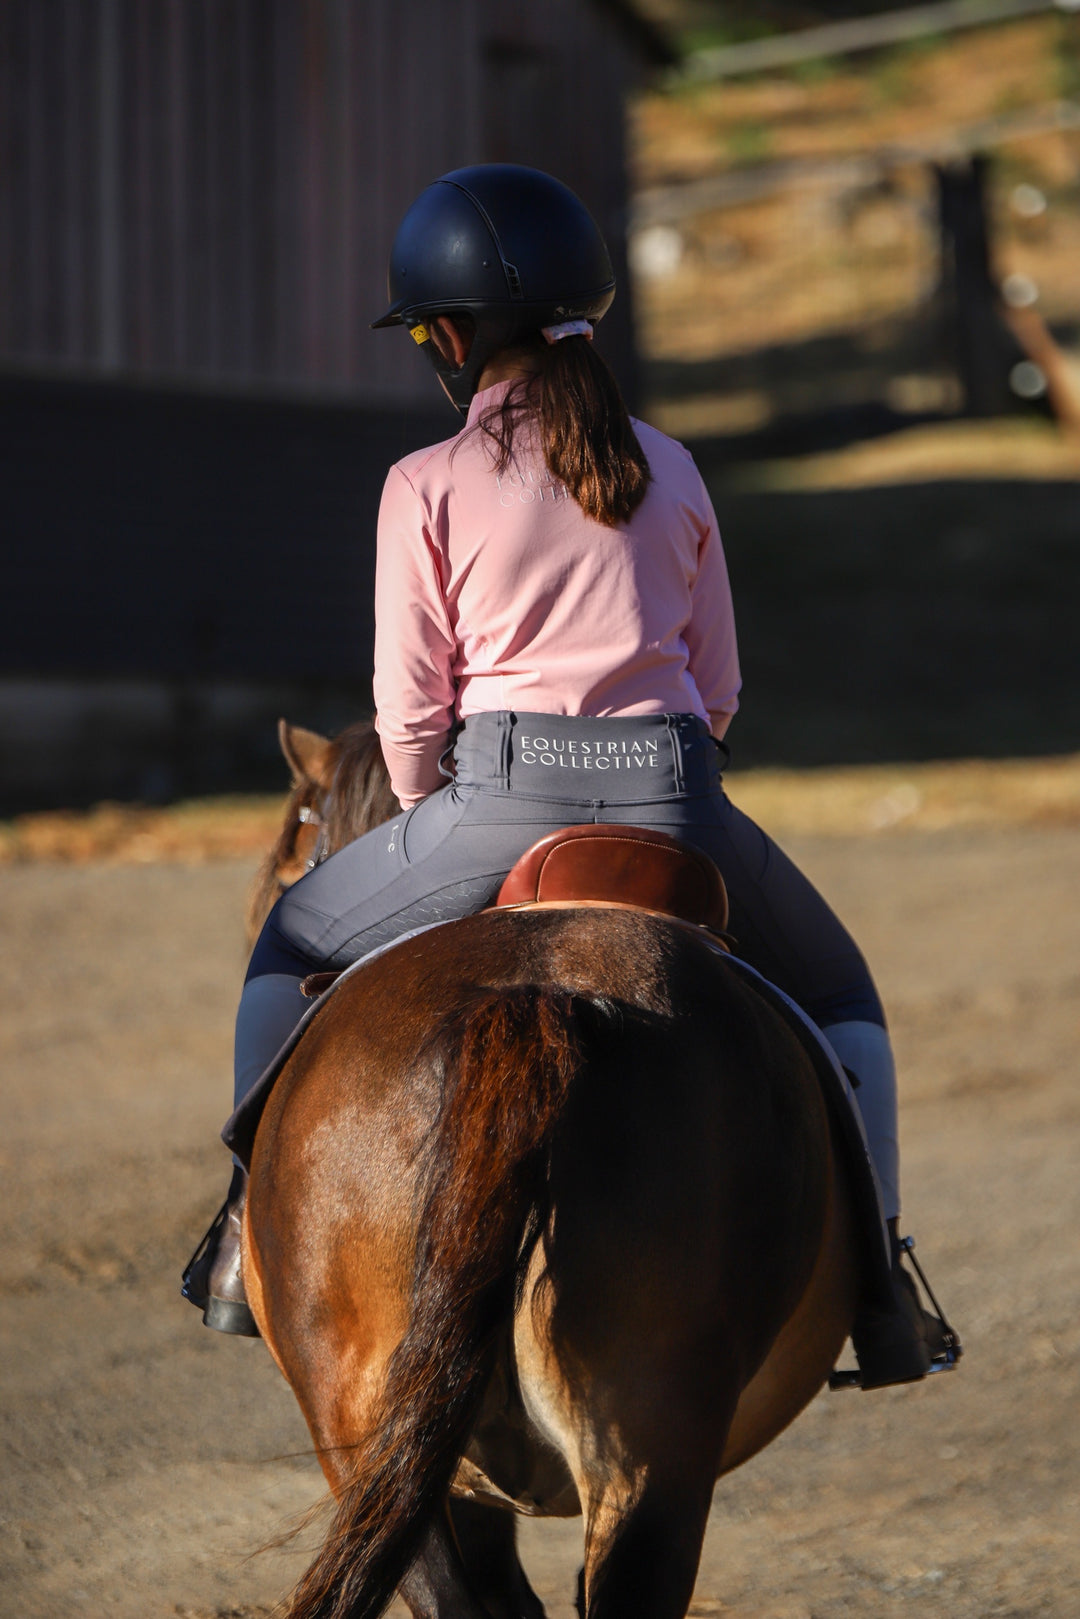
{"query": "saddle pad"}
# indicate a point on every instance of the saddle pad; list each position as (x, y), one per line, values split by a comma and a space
(239, 1130)
(836, 1088)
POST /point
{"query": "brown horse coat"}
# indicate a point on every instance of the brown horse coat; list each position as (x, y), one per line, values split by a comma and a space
(546, 1203)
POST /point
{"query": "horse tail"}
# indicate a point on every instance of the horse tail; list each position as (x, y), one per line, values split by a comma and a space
(507, 1063)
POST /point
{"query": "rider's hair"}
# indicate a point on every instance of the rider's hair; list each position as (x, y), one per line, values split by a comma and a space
(586, 435)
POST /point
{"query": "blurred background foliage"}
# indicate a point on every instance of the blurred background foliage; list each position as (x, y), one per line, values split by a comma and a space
(858, 298)
(792, 251)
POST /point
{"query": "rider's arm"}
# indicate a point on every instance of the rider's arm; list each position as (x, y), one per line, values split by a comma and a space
(414, 644)
(710, 634)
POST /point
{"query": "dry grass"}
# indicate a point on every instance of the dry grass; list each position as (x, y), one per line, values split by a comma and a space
(894, 99)
(962, 449)
(819, 258)
(781, 271)
(876, 799)
(204, 829)
(863, 800)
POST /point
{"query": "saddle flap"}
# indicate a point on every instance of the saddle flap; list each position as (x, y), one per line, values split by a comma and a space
(621, 864)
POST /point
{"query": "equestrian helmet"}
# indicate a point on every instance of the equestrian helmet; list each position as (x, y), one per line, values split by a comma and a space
(511, 247)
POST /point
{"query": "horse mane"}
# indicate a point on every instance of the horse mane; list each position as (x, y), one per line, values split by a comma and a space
(361, 797)
(348, 787)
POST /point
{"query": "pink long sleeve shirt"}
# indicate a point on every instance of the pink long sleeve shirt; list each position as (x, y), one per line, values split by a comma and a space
(497, 592)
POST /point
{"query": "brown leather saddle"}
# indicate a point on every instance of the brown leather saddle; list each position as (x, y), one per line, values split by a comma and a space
(625, 866)
(619, 865)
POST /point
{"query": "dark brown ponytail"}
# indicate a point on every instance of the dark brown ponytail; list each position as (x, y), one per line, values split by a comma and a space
(586, 435)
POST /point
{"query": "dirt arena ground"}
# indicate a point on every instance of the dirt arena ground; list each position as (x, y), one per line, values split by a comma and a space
(146, 1460)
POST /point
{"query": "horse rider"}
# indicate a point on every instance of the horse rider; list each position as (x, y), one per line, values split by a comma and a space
(554, 644)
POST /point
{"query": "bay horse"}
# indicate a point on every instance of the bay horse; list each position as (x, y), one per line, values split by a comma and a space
(545, 1216)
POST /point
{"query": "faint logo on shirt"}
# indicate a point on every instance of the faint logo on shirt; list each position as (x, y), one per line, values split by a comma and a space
(530, 488)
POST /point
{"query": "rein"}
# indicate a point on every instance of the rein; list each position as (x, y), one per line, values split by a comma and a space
(318, 816)
(308, 815)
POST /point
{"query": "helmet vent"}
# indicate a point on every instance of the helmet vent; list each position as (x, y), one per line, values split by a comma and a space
(513, 280)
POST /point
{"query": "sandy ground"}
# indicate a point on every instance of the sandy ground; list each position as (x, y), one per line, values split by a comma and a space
(146, 1459)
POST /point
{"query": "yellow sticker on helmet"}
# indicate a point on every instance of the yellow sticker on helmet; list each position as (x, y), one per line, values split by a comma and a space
(420, 334)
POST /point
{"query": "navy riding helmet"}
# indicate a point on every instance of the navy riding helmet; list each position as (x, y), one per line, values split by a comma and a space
(510, 246)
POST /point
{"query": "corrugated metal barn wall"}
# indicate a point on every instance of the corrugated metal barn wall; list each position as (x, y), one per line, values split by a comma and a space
(207, 189)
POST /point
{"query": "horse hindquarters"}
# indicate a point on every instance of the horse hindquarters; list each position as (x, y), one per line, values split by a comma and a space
(692, 1186)
(656, 1125)
(504, 1066)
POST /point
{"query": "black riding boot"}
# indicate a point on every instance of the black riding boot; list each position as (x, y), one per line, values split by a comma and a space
(213, 1280)
(901, 1345)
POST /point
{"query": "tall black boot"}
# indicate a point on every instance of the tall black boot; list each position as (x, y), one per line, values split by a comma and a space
(213, 1280)
(900, 1345)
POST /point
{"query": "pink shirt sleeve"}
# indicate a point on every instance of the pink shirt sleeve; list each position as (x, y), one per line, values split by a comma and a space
(710, 634)
(415, 646)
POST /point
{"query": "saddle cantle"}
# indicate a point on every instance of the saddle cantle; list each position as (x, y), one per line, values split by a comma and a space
(624, 865)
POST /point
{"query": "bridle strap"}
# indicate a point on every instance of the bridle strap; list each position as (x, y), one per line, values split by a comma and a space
(308, 815)
(318, 815)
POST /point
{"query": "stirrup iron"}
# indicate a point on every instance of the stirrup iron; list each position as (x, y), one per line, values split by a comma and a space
(946, 1349)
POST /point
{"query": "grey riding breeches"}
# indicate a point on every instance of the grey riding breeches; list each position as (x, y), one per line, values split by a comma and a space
(520, 776)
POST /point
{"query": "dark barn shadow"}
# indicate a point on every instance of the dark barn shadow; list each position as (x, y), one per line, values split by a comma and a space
(917, 621)
(180, 569)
